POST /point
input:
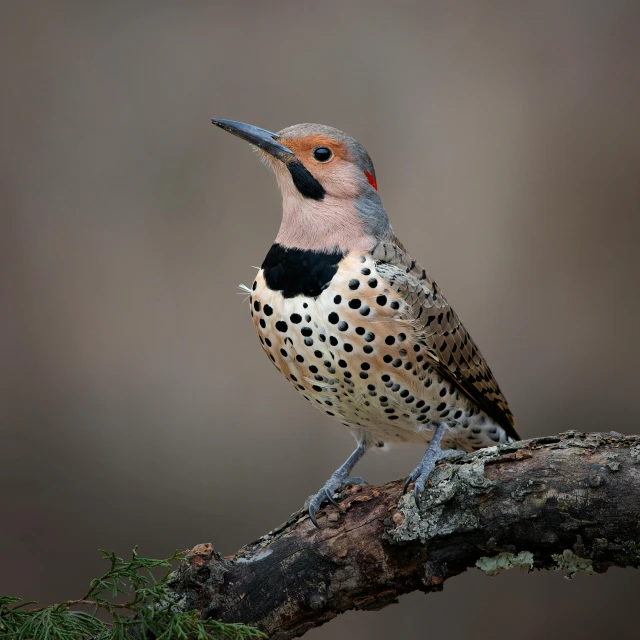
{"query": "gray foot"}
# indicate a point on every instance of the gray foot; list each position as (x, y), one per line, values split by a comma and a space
(434, 454)
(338, 479)
(331, 486)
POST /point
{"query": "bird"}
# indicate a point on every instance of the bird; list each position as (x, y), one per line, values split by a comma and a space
(354, 322)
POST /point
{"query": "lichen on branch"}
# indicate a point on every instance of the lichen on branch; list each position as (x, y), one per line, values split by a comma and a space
(567, 502)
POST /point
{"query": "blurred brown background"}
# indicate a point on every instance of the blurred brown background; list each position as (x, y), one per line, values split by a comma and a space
(136, 405)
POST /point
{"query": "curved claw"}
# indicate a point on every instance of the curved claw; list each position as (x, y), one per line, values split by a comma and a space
(330, 498)
(408, 481)
(326, 493)
(312, 516)
(418, 488)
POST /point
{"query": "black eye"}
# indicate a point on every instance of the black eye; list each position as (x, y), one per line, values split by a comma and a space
(322, 154)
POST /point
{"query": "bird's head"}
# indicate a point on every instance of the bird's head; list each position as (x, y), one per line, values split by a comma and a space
(329, 192)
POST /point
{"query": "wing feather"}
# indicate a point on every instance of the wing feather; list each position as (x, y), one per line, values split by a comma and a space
(439, 330)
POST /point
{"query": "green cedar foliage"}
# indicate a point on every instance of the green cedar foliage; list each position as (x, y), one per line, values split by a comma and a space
(134, 604)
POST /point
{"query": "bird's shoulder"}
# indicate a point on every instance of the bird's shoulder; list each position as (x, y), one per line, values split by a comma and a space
(438, 329)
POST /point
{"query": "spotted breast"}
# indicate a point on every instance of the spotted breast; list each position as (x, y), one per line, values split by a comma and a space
(352, 334)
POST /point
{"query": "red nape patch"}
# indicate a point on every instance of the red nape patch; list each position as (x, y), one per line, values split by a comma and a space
(371, 179)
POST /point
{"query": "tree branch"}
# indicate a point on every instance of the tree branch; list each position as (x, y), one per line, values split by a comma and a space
(568, 502)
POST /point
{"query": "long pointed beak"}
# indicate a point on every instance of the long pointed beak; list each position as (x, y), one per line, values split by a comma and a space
(262, 138)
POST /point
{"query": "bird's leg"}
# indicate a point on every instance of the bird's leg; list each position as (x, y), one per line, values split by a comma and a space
(433, 454)
(338, 479)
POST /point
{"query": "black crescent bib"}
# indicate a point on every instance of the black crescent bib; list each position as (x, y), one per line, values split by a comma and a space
(299, 272)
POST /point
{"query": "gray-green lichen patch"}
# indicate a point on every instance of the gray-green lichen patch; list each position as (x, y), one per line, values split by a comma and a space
(613, 464)
(448, 505)
(260, 555)
(571, 563)
(505, 561)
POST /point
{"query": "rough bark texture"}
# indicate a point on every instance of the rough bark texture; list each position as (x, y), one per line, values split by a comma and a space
(569, 502)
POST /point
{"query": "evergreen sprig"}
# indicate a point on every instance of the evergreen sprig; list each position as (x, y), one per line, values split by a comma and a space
(138, 605)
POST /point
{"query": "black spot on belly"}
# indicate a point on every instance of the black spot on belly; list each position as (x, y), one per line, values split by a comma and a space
(296, 272)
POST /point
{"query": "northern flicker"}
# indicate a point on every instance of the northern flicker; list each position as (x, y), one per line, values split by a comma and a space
(354, 322)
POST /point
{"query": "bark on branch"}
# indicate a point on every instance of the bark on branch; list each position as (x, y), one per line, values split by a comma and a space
(568, 502)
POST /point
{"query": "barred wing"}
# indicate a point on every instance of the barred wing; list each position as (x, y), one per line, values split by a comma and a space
(438, 329)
